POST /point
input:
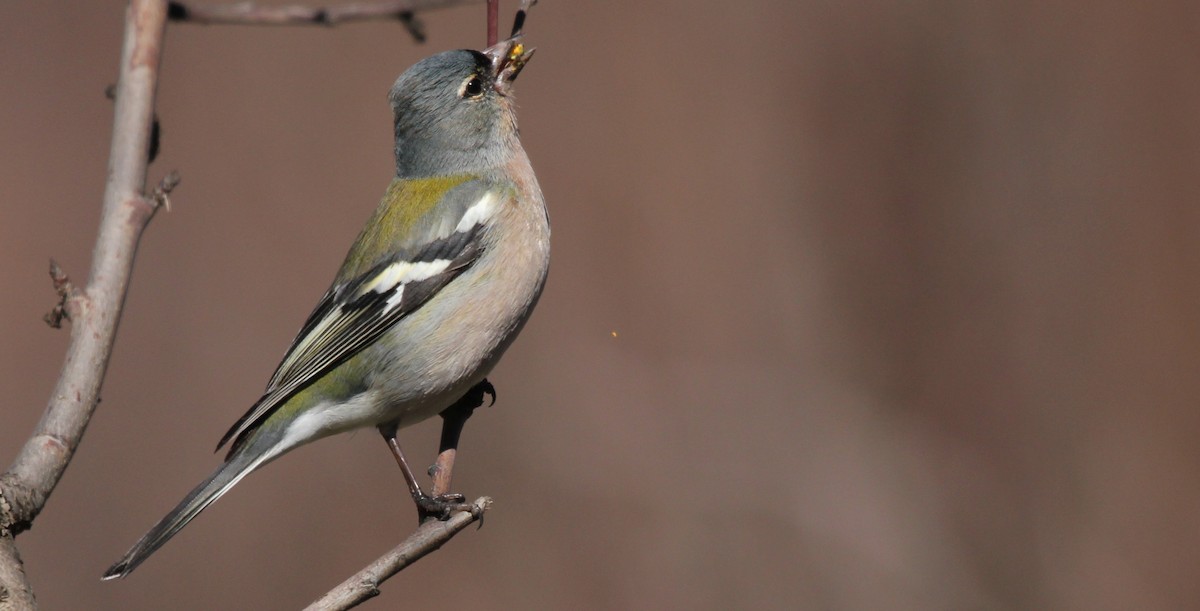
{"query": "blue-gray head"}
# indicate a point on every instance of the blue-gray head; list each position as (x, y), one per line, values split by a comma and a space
(454, 112)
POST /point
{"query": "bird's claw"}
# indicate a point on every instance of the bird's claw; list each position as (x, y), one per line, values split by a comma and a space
(465, 406)
(441, 507)
(485, 388)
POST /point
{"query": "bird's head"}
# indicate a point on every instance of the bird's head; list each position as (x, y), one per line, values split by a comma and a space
(454, 111)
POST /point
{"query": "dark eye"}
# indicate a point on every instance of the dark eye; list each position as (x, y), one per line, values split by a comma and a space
(473, 88)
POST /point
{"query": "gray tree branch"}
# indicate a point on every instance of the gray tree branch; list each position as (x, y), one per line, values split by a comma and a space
(249, 13)
(428, 537)
(95, 310)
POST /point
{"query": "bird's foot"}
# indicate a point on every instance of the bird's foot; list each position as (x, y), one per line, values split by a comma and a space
(442, 506)
(465, 406)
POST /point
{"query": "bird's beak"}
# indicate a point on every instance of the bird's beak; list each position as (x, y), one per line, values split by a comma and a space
(508, 59)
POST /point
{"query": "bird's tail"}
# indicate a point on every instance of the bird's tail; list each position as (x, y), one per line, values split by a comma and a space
(239, 465)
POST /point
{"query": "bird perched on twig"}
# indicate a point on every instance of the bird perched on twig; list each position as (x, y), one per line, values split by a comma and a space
(432, 292)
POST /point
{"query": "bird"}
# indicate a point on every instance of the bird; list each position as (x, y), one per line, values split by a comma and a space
(433, 291)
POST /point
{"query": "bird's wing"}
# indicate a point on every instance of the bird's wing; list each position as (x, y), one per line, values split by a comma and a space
(356, 312)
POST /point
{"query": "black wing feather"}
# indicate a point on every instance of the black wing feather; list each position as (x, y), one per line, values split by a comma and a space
(360, 319)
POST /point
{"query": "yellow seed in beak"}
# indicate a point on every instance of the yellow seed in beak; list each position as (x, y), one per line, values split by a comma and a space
(517, 51)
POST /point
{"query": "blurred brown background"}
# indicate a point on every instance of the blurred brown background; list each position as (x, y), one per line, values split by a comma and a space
(853, 306)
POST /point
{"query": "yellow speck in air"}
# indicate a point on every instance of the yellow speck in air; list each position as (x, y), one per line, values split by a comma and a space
(614, 333)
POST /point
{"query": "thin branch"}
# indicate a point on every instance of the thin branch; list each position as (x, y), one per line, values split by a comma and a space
(442, 471)
(454, 418)
(493, 22)
(95, 311)
(15, 592)
(249, 13)
(519, 19)
(430, 536)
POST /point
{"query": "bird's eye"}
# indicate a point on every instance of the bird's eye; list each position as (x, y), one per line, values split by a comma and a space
(473, 88)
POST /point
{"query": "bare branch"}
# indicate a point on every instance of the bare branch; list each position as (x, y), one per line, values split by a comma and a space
(15, 592)
(248, 13)
(519, 19)
(493, 21)
(95, 311)
(431, 534)
(454, 418)
(428, 537)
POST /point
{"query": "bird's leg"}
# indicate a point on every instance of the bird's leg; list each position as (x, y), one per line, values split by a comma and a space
(453, 419)
(439, 507)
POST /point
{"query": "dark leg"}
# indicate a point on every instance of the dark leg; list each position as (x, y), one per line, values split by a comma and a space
(453, 420)
(428, 507)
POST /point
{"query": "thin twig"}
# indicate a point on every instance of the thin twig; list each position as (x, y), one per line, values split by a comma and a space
(432, 533)
(95, 311)
(442, 471)
(15, 592)
(519, 19)
(454, 418)
(428, 537)
(493, 22)
(249, 13)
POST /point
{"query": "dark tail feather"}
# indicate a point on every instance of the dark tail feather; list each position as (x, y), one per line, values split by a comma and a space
(202, 496)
